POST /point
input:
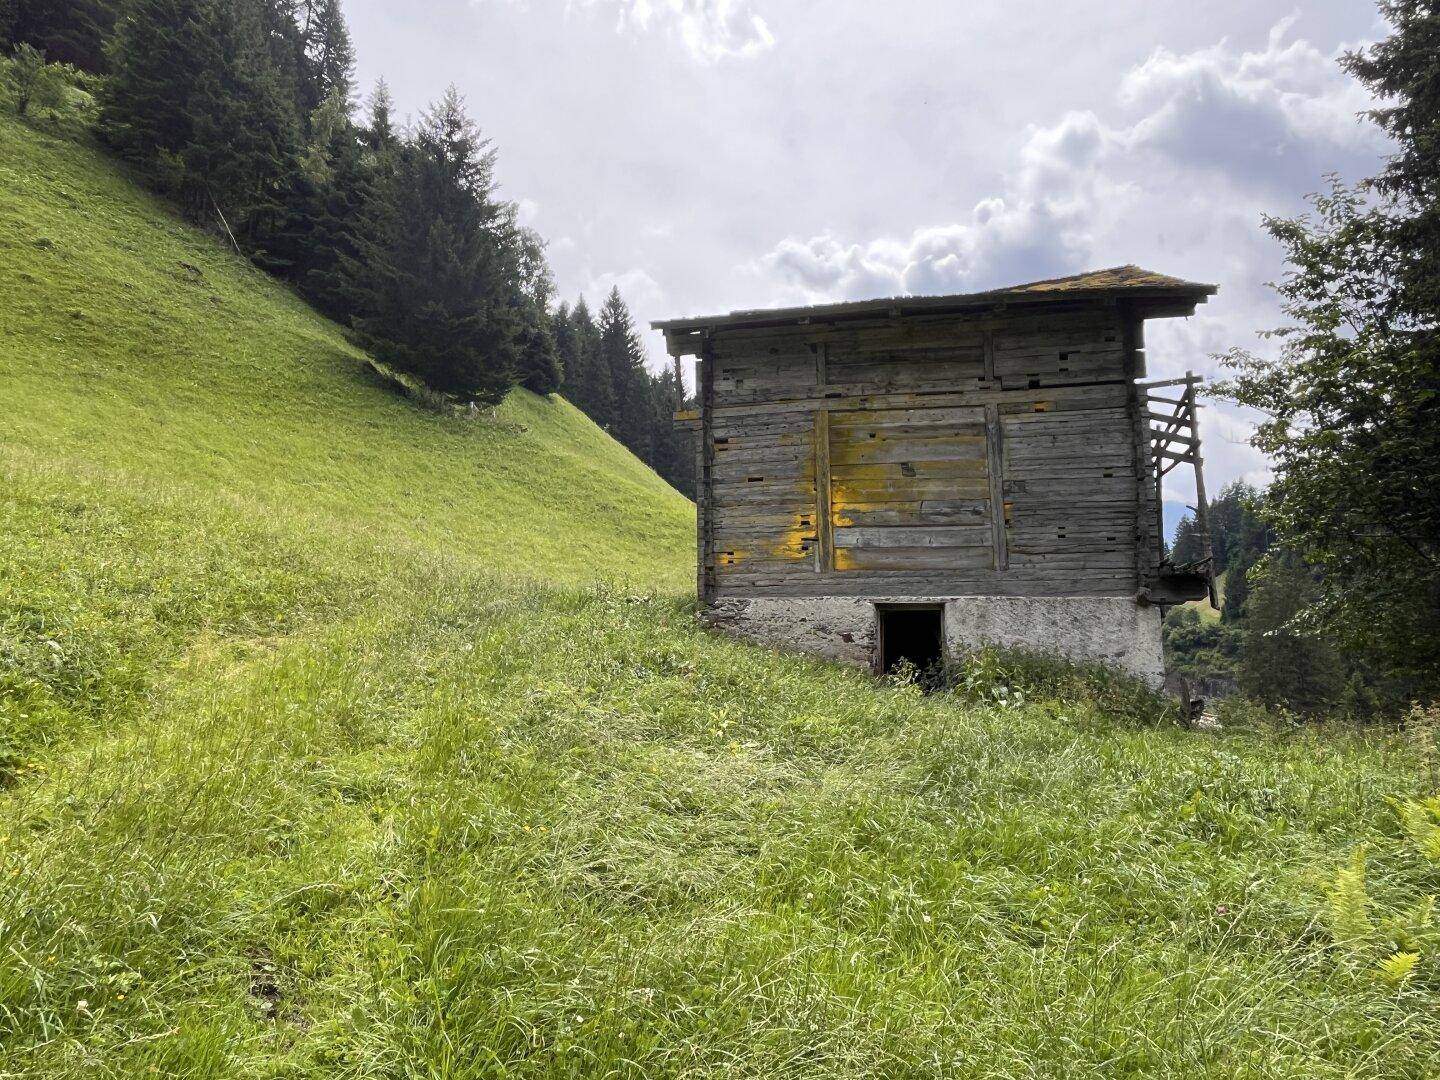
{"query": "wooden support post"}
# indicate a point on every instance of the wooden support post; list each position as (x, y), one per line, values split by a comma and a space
(1147, 480)
(824, 524)
(704, 488)
(1202, 508)
(995, 466)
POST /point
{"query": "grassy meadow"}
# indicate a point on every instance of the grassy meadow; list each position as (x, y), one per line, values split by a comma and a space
(342, 738)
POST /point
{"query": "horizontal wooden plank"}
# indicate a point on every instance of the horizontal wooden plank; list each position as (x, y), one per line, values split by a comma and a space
(901, 473)
(929, 584)
(848, 492)
(755, 471)
(879, 451)
(755, 497)
(787, 434)
(913, 514)
(919, 418)
(1080, 471)
(1059, 399)
(946, 536)
(1082, 489)
(911, 558)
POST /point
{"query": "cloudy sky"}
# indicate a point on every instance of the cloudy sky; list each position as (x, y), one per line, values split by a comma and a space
(706, 155)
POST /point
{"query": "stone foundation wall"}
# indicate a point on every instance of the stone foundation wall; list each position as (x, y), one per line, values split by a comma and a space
(1104, 629)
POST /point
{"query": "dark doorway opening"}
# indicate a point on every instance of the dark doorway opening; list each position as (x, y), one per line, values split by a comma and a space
(915, 634)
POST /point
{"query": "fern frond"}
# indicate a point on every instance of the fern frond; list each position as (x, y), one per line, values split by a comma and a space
(1350, 902)
(1396, 967)
(1418, 820)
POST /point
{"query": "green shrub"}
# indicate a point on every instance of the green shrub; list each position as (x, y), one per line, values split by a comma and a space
(57, 94)
(1009, 678)
(1197, 647)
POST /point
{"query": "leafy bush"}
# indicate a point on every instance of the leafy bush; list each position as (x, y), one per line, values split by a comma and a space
(1009, 678)
(58, 94)
(1197, 647)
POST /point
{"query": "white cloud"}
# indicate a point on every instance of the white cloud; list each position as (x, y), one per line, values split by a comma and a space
(1040, 228)
(1269, 123)
(640, 290)
(1279, 117)
(1197, 146)
(710, 30)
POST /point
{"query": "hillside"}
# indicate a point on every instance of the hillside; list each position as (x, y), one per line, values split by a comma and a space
(344, 739)
(132, 348)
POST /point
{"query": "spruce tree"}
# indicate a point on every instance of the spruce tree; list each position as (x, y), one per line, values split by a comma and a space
(1403, 72)
(435, 285)
(66, 31)
(195, 99)
(328, 55)
(672, 451)
(244, 129)
(587, 385)
(158, 55)
(562, 333)
(325, 202)
(623, 357)
(379, 129)
(537, 361)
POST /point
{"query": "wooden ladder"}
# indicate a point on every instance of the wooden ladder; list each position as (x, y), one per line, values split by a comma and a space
(1174, 429)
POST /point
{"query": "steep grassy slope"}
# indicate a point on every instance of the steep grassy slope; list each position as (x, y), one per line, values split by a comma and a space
(129, 346)
(342, 739)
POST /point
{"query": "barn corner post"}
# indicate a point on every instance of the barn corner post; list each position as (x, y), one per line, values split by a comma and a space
(700, 423)
(1147, 475)
(705, 484)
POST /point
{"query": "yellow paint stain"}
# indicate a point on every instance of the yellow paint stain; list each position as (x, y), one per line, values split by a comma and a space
(731, 557)
(843, 561)
(798, 541)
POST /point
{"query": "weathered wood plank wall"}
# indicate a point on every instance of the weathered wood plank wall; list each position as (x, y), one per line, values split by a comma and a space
(989, 455)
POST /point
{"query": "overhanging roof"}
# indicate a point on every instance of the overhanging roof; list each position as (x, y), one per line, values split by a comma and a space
(1120, 282)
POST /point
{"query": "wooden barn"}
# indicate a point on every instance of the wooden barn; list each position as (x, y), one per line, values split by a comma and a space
(912, 477)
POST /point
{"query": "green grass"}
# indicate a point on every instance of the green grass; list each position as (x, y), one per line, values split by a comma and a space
(345, 739)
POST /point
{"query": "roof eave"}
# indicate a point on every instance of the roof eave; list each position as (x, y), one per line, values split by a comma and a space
(1184, 301)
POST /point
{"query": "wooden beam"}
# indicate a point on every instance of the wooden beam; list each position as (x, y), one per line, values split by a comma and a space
(1188, 380)
(705, 485)
(824, 522)
(1202, 509)
(995, 459)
